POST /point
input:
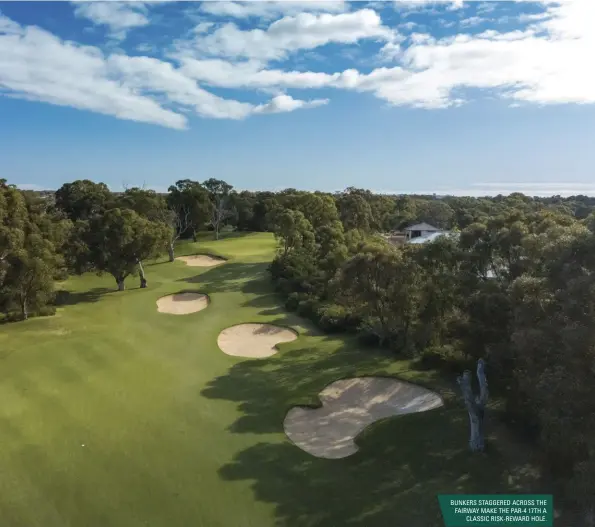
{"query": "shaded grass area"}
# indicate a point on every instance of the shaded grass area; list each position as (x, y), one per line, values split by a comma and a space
(402, 464)
(113, 414)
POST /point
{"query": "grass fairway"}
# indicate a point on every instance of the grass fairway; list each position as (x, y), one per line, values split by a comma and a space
(112, 414)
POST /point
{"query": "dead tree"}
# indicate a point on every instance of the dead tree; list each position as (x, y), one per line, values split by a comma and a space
(141, 274)
(179, 222)
(475, 405)
(220, 211)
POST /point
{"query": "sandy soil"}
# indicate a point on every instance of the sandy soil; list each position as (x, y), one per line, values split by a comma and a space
(182, 303)
(253, 340)
(201, 260)
(349, 406)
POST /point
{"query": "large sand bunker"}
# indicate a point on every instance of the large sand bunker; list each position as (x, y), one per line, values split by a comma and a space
(201, 260)
(348, 407)
(253, 340)
(182, 303)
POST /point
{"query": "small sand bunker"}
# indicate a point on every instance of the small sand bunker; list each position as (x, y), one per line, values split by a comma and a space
(201, 260)
(348, 407)
(253, 340)
(182, 303)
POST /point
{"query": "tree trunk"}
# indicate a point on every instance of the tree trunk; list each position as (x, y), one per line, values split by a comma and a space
(217, 232)
(120, 282)
(170, 251)
(475, 406)
(194, 238)
(24, 311)
(141, 274)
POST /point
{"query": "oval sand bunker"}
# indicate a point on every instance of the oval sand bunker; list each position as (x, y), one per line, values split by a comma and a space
(253, 340)
(348, 407)
(182, 303)
(201, 260)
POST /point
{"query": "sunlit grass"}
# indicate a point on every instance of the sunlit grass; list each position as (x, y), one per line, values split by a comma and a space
(112, 414)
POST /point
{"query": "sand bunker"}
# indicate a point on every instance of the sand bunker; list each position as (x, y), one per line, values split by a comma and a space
(201, 260)
(182, 303)
(253, 340)
(349, 406)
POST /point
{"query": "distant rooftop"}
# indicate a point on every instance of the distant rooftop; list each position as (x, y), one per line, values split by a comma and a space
(422, 227)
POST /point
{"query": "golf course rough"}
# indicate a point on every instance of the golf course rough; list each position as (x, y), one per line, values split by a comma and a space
(182, 303)
(201, 260)
(348, 407)
(253, 340)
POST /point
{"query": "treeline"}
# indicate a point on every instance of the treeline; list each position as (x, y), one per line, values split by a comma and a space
(85, 227)
(516, 288)
(514, 284)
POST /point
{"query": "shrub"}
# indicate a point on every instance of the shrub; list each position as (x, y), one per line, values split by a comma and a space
(292, 301)
(446, 357)
(308, 307)
(335, 318)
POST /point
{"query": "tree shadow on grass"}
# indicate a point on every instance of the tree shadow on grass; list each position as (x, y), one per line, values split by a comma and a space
(70, 298)
(394, 479)
(229, 277)
(266, 388)
(402, 464)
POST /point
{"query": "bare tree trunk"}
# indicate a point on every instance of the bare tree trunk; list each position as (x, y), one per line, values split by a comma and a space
(194, 238)
(170, 251)
(475, 405)
(217, 231)
(141, 274)
(120, 282)
(24, 310)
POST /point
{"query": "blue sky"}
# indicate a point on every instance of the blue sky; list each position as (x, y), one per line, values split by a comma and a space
(408, 96)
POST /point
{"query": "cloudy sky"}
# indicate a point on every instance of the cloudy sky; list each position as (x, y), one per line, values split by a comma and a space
(395, 96)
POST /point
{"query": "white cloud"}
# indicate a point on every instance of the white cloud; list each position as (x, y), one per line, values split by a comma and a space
(545, 63)
(290, 34)
(120, 17)
(8, 27)
(472, 21)
(427, 4)
(36, 65)
(153, 75)
(217, 72)
(286, 103)
(203, 27)
(271, 9)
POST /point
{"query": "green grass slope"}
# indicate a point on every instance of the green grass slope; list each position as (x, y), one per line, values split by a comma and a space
(114, 415)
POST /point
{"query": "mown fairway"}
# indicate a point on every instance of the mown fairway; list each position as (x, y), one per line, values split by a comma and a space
(112, 414)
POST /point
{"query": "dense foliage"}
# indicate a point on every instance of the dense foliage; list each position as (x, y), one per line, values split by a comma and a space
(514, 283)
(515, 286)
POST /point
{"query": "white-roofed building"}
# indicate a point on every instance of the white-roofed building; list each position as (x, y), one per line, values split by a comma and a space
(420, 230)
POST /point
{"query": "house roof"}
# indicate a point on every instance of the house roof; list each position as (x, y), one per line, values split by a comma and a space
(422, 227)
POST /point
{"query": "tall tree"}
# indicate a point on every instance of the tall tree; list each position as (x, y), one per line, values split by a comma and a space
(118, 242)
(355, 212)
(435, 212)
(82, 199)
(31, 272)
(144, 202)
(189, 201)
(382, 284)
(29, 259)
(221, 202)
(292, 229)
